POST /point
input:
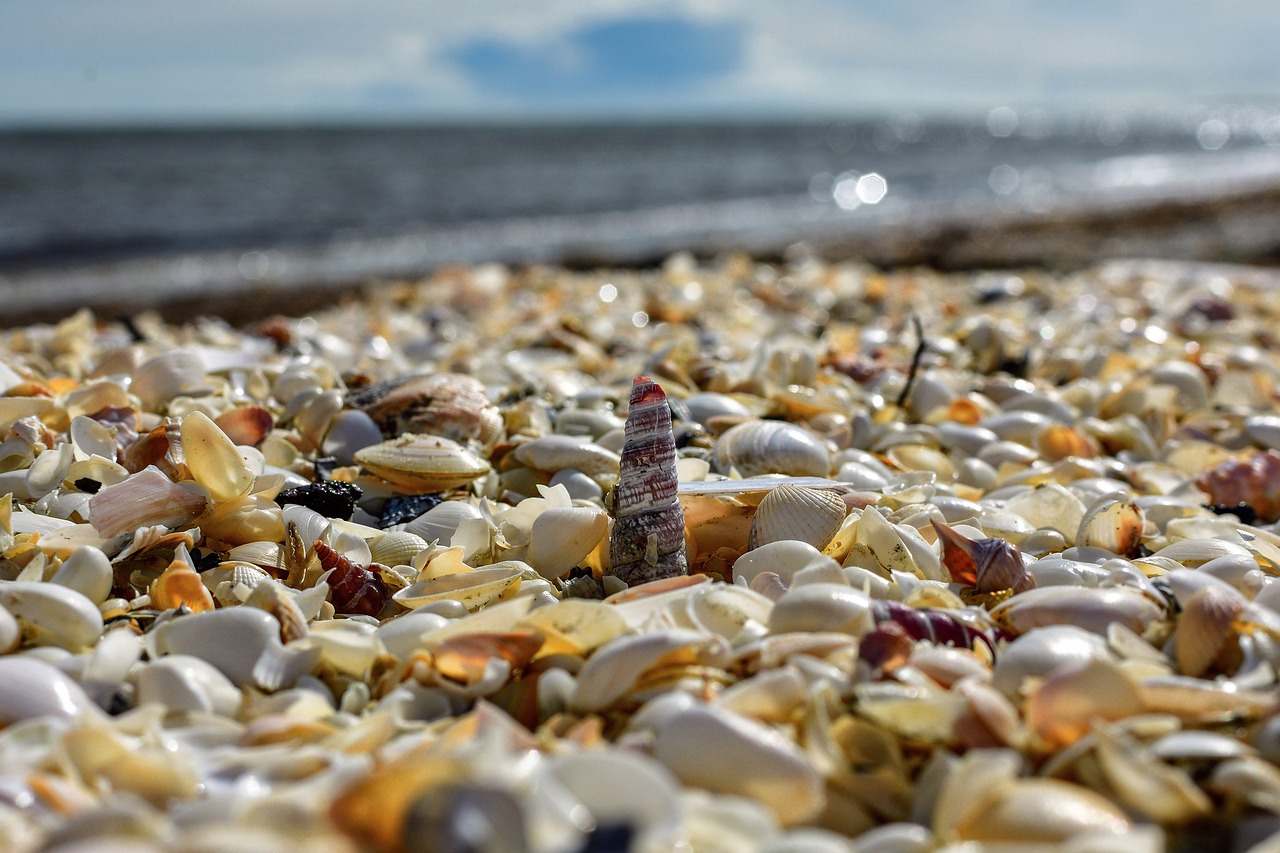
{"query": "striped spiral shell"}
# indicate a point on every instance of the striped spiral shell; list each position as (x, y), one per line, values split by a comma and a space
(647, 542)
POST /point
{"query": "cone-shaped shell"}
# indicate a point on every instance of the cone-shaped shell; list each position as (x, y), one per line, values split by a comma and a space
(796, 512)
(647, 542)
(423, 463)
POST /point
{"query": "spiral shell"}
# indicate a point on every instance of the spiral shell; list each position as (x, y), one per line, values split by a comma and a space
(987, 565)
(1254, 481)
(796, 512)
(647, 542)
(771, 447)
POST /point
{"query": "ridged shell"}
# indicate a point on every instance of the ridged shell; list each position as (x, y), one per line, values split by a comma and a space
(771, 447)
(246, 425)
(396, 547)
(180, 586)
(473, 589)
(796, 512)
(423, 463)
(647, 541)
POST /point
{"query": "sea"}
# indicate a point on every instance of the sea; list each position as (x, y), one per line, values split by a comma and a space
(88, 209)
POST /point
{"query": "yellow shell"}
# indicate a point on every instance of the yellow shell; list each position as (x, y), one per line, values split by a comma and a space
(423, 463)
(474, 589)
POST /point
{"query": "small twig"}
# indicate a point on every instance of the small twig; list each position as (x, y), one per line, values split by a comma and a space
(916, 358)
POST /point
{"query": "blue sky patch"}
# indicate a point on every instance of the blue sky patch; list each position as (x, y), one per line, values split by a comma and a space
(629, 57)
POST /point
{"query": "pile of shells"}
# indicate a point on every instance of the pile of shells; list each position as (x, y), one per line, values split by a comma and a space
(722, 557)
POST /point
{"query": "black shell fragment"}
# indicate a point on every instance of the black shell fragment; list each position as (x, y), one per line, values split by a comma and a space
(399, 510)
(330, 498)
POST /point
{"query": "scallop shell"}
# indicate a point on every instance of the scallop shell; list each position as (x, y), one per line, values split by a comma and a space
(647, 541)
(795, 512)
(396, 547)
(771, 447)
(474, 589)
(423, 463)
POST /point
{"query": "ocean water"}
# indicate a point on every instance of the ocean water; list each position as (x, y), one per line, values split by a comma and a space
(204, 205)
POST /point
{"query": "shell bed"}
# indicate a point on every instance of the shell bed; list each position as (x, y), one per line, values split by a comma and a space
(969, 562)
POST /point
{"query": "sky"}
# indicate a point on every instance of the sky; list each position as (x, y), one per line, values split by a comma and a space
(93, 61)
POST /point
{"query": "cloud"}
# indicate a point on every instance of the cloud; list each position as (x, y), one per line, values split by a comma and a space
(628, 57)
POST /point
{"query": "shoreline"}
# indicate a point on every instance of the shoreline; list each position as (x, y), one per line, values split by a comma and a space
(1236, 224)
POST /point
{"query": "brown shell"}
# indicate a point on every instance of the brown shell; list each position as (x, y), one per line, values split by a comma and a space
(1254, 482)
(450, 405)
(647, 542)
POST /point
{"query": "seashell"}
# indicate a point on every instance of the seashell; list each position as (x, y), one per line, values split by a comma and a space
(553, 453)
(784, 558)
(1066, 704)
(31, 688)
(755, 448)
(101, 471)
(187, 683)
(819, 607)
(423, 463)
(441, 522)
(10, 632)
(232, 582)
(252, 518)
(704, 406)
(144, 499)
(647, 540)
(450, 405)
(351, 431)
(313, 414)
(579, 486)
(474, 589)
(52, 615)
(91, 438)
(1116, 525)
(48, 471)
(237, 641)
(617, 668)
(1049, 506)
(246, 425)
(163, 377)
(1040, 810)
(1254, 482)
(716, 749)
(213, 459)
(562, 537)
(987, 565)
(621, 788)
(794, 512)
(270, 595)
(180, 586)
(396, 547)
(402, 636)
(353, 588)
(1089, 608)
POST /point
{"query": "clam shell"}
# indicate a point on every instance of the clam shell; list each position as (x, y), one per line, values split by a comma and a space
(552, 453)
(771, 447)
(423, 463)
(794, 512)
(52, 615)
(186, 683)
(439, 523)
(87, 571)
(473, 589)
(163, 377)
(562, 537)
(31, 688)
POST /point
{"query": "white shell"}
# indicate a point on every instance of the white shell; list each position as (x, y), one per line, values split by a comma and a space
(563, 536)
(52, 615)
(439, 523)
(771, 447)
(165, 376)
(87, 571)
(187, 683)
(32, 688)
(473, 589)
(794, 512)
(818, 607)
(716, 749)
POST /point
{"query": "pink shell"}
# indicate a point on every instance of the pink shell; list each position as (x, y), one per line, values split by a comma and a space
(647, 542)
(1254, 481)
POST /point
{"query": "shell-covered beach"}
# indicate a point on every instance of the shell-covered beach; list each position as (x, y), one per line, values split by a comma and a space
(968, 561)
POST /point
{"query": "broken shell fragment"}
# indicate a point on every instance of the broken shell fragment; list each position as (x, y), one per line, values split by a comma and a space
(144, 499)
(562, 537)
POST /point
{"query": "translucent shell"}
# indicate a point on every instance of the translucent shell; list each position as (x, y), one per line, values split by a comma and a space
(146, 498)
(180, 586)
(474, 589)
(213, 459)
(423, 463)
(647, 541)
